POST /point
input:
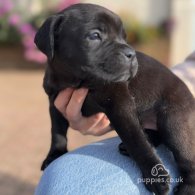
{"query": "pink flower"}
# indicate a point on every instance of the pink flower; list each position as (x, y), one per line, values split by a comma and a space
(26, 29)
(14, 20)
(31, 53)
(5, 6)
(66, 3)
(35, 55)
(28, 41)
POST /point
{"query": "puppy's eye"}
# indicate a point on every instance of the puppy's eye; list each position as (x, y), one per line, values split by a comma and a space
(94, 36)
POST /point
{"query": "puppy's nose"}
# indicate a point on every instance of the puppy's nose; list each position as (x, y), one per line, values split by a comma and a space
(129, 53)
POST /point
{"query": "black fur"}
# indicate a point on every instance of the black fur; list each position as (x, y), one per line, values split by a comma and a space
(86, 47)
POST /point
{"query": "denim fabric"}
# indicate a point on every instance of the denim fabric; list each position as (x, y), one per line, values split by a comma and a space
(99, 169)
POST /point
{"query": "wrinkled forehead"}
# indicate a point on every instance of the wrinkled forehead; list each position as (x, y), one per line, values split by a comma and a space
(91, 17)
(106, 21)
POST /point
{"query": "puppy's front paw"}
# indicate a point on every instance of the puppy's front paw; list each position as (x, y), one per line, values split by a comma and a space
(122, 149)
(46, 162)
(50, 158)
(157, 180)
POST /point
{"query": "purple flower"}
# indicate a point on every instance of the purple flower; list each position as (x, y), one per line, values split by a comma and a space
(5, 6)
(28, 41)
(14, 20)
(31, 53)
(26, 29)
(35, 55)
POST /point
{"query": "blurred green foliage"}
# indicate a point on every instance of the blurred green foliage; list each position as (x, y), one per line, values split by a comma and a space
(8, 34)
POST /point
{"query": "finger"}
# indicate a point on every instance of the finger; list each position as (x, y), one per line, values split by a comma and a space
(103, 123)
(83, 124)
(91, 122)
(97, 132)
(100, 132)
(102, 127)
(73, 110)
(96, 125)
(63, 99)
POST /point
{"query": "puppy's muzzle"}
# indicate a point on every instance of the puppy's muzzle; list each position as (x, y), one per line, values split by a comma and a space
(128, 53)
(134, 66)
(130, 60)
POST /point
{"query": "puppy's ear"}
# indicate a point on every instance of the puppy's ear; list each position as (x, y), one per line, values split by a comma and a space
(45, 37)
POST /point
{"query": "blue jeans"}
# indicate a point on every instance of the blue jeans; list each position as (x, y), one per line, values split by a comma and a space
(99, 169)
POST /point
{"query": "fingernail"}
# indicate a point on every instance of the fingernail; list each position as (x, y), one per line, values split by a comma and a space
(82, 91)
(67, 90)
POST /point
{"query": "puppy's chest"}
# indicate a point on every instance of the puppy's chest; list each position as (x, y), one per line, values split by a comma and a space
(144, 100)
(91, 105)
(100, 102)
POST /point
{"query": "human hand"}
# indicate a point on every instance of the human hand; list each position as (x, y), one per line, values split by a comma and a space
(69, 102)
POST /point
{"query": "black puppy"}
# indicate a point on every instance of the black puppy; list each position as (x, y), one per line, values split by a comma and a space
(86, 47)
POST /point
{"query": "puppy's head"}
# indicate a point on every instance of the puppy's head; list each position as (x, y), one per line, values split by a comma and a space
(88, 41)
